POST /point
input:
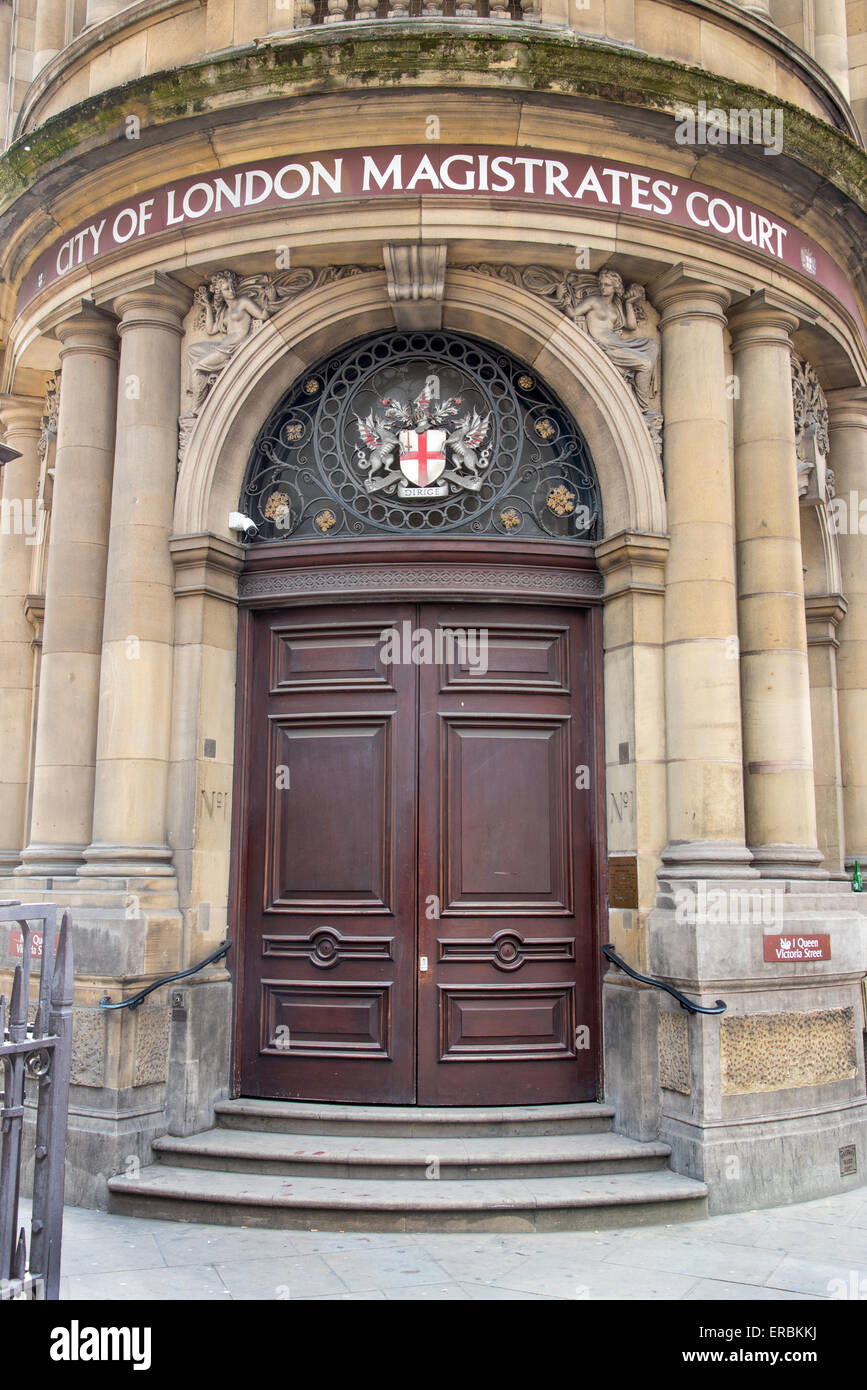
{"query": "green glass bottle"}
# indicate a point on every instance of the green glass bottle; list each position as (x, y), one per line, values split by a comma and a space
(857, 886)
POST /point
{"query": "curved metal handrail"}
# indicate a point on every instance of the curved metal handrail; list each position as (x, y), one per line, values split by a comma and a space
(610, 954)
(135, 999)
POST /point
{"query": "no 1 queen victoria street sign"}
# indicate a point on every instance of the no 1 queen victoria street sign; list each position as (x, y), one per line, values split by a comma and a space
(780, 949)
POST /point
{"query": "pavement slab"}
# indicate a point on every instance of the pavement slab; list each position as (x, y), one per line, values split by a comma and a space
(812, 1250)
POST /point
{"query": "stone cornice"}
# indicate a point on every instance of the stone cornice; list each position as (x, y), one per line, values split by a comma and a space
(138, 17)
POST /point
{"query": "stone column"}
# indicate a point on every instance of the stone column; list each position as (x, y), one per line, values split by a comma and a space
(129, 819)
(831, 45)
(60, 827)
(633, 566)
(775, 681)
(5, 65)
(848, 420)
(50, 32)
(21, 418)
(702, 697)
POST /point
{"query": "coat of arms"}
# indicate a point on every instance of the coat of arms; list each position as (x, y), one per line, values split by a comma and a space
(424, 448)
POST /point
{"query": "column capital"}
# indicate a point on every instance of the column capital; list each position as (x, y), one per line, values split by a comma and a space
(764, 318)
(151, 298)
(633, 561)
(848, 407)
(21, 415)
(207, 565)
(825, 613)
(686, 291)
(83, 327)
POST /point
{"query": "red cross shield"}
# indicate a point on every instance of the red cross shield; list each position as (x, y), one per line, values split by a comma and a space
(422, 456)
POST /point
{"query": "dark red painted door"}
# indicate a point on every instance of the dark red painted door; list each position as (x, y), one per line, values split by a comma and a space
(418, 879)
(507, 1011)
(328, 969)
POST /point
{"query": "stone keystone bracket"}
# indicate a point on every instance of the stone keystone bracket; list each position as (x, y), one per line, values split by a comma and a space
(416, 276)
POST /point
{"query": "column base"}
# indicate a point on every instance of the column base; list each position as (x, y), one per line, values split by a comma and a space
(770, 1161)
(125, 861)
(707, 859)
(788, 861)
(9, 861)
(759, 1102)
(51, 861)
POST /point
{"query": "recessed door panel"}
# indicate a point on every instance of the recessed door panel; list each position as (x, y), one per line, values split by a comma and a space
(492, 861)
(337, 855)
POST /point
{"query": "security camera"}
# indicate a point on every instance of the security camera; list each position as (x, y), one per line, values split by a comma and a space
(239, 522)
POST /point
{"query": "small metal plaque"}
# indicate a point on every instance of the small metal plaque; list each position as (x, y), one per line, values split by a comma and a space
(782, 948)
(623, 881)
(848, 1160)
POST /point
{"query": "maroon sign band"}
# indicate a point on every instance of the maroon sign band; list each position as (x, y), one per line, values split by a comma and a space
(490, 173)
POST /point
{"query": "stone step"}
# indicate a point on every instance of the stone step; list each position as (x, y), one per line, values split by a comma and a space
(478, 1158)
(306, 1117)
(542, 1204)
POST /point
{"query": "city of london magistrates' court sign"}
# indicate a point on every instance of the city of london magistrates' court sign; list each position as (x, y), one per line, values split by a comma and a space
(489, 173)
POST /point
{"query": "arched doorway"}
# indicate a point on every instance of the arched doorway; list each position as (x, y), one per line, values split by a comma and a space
(418, 828)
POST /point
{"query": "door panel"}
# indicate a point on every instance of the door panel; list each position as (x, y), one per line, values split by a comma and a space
(328, 974)
(417, 849)
(494, 861)
(505, 861)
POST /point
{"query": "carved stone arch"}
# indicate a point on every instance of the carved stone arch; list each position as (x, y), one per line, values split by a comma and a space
(300, 334)
(821, 550)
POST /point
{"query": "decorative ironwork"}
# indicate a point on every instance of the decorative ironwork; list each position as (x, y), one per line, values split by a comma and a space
(414, 433)
(39, 1050)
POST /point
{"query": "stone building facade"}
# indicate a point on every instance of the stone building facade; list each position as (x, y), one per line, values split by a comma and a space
(654, 213)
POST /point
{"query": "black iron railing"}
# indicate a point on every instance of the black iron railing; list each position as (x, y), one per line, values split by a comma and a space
(135, 999)
(610, 954)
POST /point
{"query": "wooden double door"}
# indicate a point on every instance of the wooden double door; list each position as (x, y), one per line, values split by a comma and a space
(417, 875)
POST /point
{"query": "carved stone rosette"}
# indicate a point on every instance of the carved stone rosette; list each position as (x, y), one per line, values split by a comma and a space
(608, 312)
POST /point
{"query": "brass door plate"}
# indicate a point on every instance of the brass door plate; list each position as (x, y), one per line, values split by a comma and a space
(623, 881)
